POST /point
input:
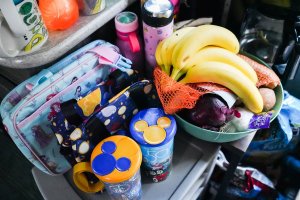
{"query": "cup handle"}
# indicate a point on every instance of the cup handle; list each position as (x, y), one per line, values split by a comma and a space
(134, 42)
(8, 43)
(12, 18)
(81, 180)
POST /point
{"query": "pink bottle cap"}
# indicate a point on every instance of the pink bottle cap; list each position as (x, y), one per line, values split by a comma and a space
(126, 22)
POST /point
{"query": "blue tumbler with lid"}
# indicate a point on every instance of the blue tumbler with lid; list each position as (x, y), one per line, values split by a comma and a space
(154, 131)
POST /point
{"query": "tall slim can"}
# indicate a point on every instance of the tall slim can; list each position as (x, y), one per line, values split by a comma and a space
(157, 18)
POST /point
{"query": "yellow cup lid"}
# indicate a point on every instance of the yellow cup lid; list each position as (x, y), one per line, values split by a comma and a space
(116, 159)
(152, 127)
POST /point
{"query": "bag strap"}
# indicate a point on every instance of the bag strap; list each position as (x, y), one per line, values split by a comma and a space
(109, 56)
(70, 113)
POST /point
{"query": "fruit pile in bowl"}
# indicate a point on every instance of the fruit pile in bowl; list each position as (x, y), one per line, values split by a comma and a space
(218, 131)
(217, 93)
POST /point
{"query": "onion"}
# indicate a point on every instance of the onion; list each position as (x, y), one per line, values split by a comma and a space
(210, 112)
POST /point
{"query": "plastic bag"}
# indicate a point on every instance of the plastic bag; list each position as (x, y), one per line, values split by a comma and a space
(248, 183)
(282, 137)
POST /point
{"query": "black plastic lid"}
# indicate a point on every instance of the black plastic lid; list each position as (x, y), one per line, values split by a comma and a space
(157, 13)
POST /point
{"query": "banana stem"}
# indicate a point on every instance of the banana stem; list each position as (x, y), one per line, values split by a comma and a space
(167, 69)
(175, 72)
(162, 67)
(179, 75)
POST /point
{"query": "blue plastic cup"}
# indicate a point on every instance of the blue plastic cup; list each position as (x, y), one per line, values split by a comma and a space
(154, 131)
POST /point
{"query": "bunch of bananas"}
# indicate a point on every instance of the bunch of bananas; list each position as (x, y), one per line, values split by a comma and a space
(208, 53)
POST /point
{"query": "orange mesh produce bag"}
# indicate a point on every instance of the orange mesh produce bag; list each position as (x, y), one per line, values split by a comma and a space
(175, 96)
(266, 76)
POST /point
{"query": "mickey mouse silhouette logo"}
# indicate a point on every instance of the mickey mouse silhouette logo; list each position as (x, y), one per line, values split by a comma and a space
(116, 161)
(108, 148)
(154, 134)
(116, 158)
(152, 127)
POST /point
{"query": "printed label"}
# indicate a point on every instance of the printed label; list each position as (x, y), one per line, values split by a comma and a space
(157, 160)
(131, 189)
(152, 36)
(37, 33)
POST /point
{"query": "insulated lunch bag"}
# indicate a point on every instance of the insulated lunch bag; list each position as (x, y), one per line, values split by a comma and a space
(25, 110)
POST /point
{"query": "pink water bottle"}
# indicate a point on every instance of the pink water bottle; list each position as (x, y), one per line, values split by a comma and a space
(176, 4)
(157, 25)
(130, 44)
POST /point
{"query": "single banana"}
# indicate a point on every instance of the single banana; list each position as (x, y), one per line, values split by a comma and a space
(201, 36)
(169, 45)
(158, 54)
(230, 77)
(218, 54)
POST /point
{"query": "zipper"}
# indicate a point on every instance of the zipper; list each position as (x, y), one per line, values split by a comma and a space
(64, 91)
(28, 101)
